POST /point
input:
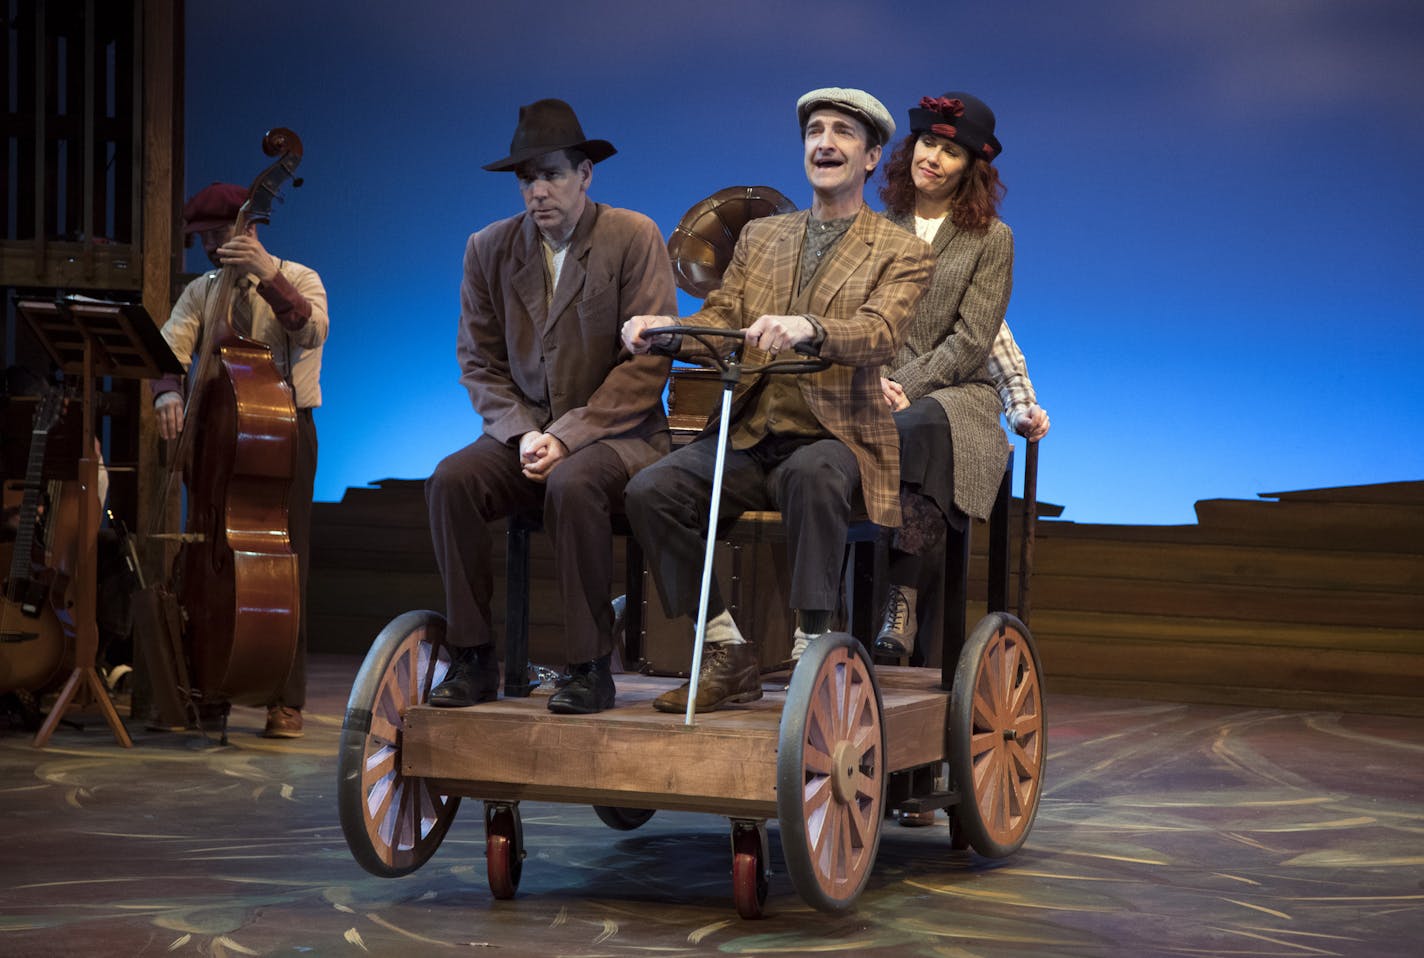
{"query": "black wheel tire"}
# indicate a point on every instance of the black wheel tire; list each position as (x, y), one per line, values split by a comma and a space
(623, 819)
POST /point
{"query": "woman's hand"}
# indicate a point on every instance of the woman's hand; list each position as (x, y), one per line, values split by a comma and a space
(1032, 423)
(894, 394)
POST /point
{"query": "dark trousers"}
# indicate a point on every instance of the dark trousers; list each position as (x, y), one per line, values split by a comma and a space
(482, 483)
(299, 513)
(815, 484)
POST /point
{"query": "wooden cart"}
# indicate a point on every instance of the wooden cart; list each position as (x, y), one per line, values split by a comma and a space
(830, 756)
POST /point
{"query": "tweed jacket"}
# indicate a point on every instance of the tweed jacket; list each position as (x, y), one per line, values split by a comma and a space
(946, 353)
(558, 366)
(862, 297)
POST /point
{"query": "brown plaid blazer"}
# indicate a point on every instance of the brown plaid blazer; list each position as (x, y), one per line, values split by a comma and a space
(863, 297)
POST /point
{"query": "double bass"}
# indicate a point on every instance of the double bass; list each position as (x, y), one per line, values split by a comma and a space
(236, 573)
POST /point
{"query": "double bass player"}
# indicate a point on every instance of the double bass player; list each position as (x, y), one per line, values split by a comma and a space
(279, 303)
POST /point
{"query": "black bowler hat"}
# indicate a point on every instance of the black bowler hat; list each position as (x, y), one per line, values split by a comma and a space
(961, 117)
(544, 127)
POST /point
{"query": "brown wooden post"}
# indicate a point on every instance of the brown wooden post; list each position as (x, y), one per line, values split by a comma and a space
(157, 196)
(160, 127)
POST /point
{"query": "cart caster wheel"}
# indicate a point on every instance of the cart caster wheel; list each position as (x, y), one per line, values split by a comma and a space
(504, 848)
(998, 747)
(830, 772)
(751, 868)
(622, 819)
(957, 841)
(392, 822)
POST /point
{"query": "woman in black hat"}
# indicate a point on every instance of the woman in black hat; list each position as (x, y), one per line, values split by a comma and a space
(940, 182)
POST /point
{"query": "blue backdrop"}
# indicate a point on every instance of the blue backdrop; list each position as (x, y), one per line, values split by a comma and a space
(1216, 205)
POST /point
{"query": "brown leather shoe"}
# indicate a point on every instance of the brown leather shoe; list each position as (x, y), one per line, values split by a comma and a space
(283, 722)
(729, 674)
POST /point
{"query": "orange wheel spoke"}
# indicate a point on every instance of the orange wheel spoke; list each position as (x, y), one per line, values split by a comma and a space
(985, 707)
(380, 764)
(388, 707)
(817, 798)
(982, 742)
(400, 838)
(833, 850)
(384, 794)
(817, 761)
(820, 821)
(383, 731)
(861, 812)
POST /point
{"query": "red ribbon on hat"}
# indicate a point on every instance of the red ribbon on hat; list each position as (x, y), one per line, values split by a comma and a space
(950, 109)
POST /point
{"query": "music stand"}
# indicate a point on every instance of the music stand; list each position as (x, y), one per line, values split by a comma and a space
(93, 337)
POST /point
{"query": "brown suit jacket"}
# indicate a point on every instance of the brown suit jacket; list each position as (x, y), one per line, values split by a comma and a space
(863, 297)
(560, 368)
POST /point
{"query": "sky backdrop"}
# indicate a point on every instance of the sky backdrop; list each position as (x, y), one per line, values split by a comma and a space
(1216, 205)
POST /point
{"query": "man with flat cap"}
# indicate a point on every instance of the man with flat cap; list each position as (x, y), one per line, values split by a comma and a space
(569, 415)
(282, 304)
(837, 279)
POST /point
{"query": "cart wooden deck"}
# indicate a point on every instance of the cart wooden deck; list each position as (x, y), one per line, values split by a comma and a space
(634, 756)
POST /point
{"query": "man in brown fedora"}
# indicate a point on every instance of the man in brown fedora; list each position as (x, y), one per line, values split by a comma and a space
(569, 415)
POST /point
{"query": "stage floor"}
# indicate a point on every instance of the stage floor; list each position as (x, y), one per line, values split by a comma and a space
(1164, 830)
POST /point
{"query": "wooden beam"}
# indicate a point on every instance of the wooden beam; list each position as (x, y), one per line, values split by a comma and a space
(159, 123)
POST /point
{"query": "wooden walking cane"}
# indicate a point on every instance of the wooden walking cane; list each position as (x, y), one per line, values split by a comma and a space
(1030, 517)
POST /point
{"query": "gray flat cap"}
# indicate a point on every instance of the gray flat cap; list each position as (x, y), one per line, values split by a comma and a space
(857, 103)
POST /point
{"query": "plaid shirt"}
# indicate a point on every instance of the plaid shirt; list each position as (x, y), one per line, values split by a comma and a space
(1009, 373)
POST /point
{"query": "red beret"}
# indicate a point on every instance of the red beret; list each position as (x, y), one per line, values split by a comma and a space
(215, 205)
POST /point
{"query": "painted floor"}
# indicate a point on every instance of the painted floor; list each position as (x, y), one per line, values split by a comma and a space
(1165, 829)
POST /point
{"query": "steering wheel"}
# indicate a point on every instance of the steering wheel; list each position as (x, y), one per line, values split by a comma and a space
(810, 360)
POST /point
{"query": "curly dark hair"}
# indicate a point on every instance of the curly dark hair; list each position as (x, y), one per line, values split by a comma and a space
(976, 199)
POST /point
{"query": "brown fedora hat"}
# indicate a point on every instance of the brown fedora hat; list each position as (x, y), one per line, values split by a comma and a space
(546, 126)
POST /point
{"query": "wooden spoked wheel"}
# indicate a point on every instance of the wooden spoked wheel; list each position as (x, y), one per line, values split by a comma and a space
(623, 819)
(998, 747)
(504, 848)
(830, 772)
(392, 822)
(751, 870)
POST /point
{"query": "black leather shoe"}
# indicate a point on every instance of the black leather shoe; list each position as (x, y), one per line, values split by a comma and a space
(897, 632)
(589, 689)
(473, 678)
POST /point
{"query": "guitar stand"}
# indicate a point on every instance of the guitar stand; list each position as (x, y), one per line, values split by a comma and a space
(84, 686)
(83, 689)
(88, 338)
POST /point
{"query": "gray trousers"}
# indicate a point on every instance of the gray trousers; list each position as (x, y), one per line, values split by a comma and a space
(482, 483)
(814, 483)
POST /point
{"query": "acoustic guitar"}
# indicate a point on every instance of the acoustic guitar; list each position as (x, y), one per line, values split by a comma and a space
(32, 638)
